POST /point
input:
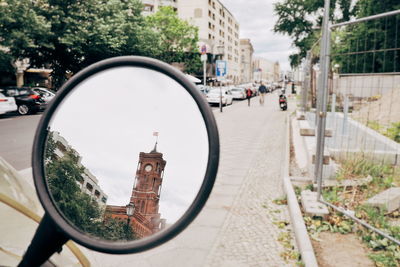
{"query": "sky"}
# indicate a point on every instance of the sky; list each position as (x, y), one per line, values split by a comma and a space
(111, 117)
(256, 20)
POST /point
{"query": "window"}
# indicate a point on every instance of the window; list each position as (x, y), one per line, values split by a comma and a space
(148, 8)
(96, 193)
(142, 206)
(198, 13)
(89, 187)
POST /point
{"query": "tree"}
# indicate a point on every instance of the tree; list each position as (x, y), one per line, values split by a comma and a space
(63, 176)
(301, 20)
(176, 40)
(369, 47)
(70, 35)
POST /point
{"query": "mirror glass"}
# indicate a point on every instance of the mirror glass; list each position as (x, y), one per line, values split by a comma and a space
(126, 154)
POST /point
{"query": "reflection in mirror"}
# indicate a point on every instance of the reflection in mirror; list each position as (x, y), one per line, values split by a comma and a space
(126, 154)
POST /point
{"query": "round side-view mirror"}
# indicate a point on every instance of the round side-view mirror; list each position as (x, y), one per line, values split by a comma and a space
(124, 158)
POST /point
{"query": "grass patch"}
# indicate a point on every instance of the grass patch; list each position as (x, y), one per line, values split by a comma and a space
(392, 131)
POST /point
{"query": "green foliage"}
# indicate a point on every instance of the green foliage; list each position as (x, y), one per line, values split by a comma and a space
(280, 201)
(383, 251)
(359, 167)
(64, 176)
(5, 63)
(176, 40)
(70, 35)
(394, 132)
(301, 19)
(384, 260)
(355, 45)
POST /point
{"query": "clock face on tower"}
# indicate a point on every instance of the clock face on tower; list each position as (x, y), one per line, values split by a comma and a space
(148, 168)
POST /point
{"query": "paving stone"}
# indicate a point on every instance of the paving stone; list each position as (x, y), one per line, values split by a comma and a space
(300, 115)
(311, 206)
(388, 199)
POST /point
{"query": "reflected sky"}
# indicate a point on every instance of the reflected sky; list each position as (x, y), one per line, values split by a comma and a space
(110, 118)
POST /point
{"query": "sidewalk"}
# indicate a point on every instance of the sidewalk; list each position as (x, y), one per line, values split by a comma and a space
(236, 227)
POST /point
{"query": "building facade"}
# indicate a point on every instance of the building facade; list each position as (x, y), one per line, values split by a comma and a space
(146, 219)
(89, 184)
(218, 32)
(246, 61)
(265, 70)
(151, 6)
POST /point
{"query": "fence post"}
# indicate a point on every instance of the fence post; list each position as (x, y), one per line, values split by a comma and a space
(323, 90)
(345, 114)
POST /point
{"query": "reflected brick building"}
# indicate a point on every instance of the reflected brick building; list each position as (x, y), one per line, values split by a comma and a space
(146, 219)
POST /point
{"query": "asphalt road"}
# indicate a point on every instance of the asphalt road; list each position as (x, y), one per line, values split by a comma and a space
(16, 139)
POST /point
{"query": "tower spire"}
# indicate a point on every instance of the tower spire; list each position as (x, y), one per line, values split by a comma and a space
(155, 146)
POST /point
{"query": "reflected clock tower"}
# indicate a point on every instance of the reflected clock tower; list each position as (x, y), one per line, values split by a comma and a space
(144, 219)
(147, 187)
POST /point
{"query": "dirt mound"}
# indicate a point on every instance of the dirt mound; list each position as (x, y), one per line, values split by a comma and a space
(347, 251)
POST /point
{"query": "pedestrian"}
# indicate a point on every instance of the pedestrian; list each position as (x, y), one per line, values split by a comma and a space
(263, 90)
(249, 93)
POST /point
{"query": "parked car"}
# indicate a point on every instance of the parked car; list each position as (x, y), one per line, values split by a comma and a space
(203, 89)
(7, 104)
(45, 93)
(28, 101)
(238, 93)
(213, 97)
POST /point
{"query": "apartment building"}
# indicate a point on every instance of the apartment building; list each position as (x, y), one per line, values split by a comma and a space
(151, 6)
(246, 60)
(218, 31)
(265, 70)
(89, 183)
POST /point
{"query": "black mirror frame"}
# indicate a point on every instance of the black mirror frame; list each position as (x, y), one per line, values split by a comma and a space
(198, 203)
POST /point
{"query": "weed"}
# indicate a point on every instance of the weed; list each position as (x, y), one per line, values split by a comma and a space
(386, 253)
(289, 252)
(280, 201)
(394, 132)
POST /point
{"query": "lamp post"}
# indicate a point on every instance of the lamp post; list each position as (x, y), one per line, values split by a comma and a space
(130, 210)
(204, 59)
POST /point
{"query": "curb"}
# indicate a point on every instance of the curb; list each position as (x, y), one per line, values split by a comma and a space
(300, 231)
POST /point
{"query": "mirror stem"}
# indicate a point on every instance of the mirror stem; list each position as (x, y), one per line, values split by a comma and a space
(47, 240)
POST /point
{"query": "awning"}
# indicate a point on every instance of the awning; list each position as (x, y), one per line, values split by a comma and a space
(32, 70)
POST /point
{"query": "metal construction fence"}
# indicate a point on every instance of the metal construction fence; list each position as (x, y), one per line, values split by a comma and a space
(353, 96)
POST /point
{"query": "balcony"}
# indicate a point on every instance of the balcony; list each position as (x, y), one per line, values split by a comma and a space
(168, 3)
(149, 2)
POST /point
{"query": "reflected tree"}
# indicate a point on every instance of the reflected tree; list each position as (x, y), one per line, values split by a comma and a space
(64, 174)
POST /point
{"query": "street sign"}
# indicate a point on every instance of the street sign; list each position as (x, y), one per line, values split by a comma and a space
(221, 69)
(203, 49)
(203, 57)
